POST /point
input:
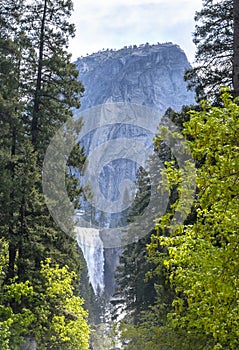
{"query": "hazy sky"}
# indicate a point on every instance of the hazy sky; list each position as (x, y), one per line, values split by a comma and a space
(116, 23)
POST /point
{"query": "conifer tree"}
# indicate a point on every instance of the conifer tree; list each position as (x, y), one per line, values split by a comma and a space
(55, 89)
(213, 38)
(42, 88)
(12, 128)
(39, 89)
(235, 72)
(216, 38)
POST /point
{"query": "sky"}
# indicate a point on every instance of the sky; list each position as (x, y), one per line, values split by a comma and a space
(113, 24)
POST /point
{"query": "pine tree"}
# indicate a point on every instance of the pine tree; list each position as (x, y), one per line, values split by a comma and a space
(216, 38)
(46, 88)
(132, 288)
(235, 72)
(12, 129)
(55, 89)
(39, 89)
(213, 38)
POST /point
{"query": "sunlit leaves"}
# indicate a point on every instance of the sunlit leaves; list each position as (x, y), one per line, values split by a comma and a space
(203, 257)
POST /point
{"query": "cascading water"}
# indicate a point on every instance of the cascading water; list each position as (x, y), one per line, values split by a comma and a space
(93, 250)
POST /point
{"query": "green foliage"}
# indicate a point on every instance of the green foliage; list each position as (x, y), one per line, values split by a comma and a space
(13, 323)
(213, 38)
(203, 256)
(196, 307)
(39, 89)
(60, 318)
(51, 312)
(132, 288)
(138, 283)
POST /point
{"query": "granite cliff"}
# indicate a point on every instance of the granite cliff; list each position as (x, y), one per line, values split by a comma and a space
(148, 75)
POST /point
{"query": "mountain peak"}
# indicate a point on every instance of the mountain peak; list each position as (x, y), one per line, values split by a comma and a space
(150, 75)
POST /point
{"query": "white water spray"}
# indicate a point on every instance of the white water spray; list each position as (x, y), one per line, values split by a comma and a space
(93, 250)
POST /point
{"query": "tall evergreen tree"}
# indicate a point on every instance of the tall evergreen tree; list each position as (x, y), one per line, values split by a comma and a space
(235, 76)
(12, 127)
(216, 38)
(134, 289)
(46, 88)
(213, 38)
(55, 89)
(39, 89)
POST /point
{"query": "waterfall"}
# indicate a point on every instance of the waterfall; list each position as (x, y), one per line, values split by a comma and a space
(93, 250)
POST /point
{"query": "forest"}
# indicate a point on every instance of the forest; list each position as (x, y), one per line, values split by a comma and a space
(179, 284)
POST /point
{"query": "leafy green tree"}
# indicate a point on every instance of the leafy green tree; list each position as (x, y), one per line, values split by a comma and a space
(235, 73)
(13, 323)
(61, 321)
(51, 313)
(202, 257)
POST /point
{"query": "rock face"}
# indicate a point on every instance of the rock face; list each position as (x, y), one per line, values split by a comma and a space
(151, 75)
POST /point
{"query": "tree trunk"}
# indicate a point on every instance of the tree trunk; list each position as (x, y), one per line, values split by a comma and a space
(12, 248)
(236, 48)
(34, 126)
(12, 252)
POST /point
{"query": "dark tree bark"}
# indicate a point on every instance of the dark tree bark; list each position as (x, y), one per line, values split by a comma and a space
(12, 249)
(213, 37)
(39, 79)
(236, 48)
